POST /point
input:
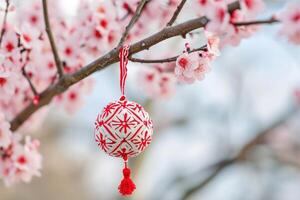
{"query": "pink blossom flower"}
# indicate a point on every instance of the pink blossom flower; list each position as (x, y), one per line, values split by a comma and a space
(5, 133)
(12, 61)
(191, 67)
(10, 41)
(213, 42)
(7, 84)
(297, 95)
(156, 83)
(202, 68)
(97, 35)
(69, 50)
(290, 18)
(234, 34)
(219, 18)
(185, 65)
(148, 78)
(72, 99)
(20, 162)
(28, 35)
(27, 160)
(252, 7)
(32, 13)
(204, 5)
(167, 85)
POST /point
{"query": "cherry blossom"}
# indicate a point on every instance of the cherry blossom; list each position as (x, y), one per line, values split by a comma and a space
(28, 35)
(10, 41)
(5, 133)
(31, 13)
(203, 6)
(157, 83)
(191, 67)
(213, 42)
(20, 162)
(27, 160)
(167, 85)
(185, 66)
(219, 18)
(290, 18)
(7, 84)
(221, 22)
(253, 7)
(72, 100)
(148, 79)
(297, 95)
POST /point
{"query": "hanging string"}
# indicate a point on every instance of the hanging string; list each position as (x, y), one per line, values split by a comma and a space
(126, 186)
(124, 51)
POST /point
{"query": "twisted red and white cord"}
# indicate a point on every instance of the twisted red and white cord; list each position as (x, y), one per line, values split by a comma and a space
(124, 51)
(126, 186)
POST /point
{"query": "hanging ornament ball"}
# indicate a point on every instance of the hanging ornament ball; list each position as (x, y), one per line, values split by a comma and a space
(123, 129)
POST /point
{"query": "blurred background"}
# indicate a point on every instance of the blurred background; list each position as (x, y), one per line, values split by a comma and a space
(234, 135)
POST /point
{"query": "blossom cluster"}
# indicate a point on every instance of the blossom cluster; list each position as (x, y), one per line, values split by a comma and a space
(193, 66)
(222, 29)
(290, 18)
(18, 162)
(222, 20)
(157, 82)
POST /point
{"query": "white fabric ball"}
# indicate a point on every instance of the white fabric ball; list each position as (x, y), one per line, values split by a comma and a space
(123, 129)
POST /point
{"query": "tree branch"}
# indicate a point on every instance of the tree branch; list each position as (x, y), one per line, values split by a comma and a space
(51, 40)
(109, 58)
(176, 13)
(4, 21)
(222, 165)
(104, 61)
(165, 60)
(272, 20)
(133, 20)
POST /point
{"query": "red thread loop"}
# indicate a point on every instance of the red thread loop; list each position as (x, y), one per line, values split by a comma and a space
(124, 51)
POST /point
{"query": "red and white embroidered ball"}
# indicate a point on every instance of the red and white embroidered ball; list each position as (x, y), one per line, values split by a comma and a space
(123, 129)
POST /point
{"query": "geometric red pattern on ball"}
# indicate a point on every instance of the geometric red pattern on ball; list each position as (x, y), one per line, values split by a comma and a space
(123, 129)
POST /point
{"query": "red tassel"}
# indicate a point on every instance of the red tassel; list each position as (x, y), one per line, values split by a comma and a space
(126, 186)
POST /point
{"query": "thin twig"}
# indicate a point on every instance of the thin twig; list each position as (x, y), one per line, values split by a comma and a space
(133, 20)
(4, 21)
(240, 156)
(272, 20)
(34, 91)
(176, 13)
(51, 40)
(172, 59)
(165, 60)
